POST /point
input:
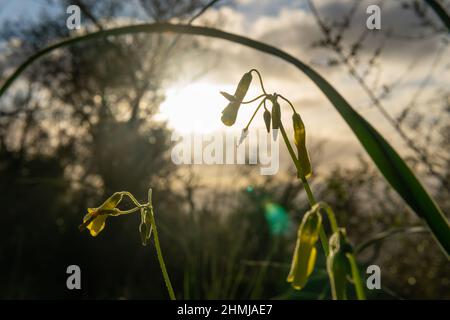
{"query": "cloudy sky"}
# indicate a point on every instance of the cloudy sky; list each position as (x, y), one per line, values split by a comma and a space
(412, 55)
(409, 58)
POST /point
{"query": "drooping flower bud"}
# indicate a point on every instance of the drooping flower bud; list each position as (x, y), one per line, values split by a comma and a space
(243, 86)
(229, 114)
(276, 118)
(338, 265)
(267, 119)
(305, 250)
(300, 142)
(276, 115)
(145, 228)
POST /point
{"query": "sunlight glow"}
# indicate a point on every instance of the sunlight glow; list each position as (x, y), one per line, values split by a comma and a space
(197, 108)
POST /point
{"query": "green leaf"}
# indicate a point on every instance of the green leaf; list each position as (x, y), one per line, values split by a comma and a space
(394, 169)
(390, 164)
(440, 11)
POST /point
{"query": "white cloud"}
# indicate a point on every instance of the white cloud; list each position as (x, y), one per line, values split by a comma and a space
(294, 30)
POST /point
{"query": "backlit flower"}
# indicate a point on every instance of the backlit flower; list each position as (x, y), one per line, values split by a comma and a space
(300, 142)
(95, 219)
(305, 250)
(229, 114)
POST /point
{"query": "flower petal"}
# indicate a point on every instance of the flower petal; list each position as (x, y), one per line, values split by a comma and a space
(229, 114)
(305, 250)
(112, 201)
(243, 86)
(97, 225)
(228, 96)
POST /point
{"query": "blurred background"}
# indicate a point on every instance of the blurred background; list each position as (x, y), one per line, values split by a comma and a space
(97, 117)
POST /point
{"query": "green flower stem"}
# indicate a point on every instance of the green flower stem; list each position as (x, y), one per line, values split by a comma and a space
(290, 103)
(311, 199)
(331, 216)
(254, 99)
(158, 248)
(394, 169)
(155, 236)
(357, 281)
(132, 198)
(260, 80)
(122, 212)
(254, 113)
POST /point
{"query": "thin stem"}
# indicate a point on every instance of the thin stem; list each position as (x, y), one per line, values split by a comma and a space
(311, 199)
(254, 99)
(357, 281)
(372, 141)
(292, 106)
(132, 198)
(260, 80)
(331, 216)
(158, 248)
(296, 163)
(324, 240)
(120, 212)
(254, 114)
(264, 103)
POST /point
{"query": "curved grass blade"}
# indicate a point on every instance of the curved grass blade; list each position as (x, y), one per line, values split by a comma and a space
(393, 168)
(440, 11)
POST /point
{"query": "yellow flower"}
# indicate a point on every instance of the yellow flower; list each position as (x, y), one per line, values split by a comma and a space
(95, 219)
(300, 142)
(229, 114)
(305, 250)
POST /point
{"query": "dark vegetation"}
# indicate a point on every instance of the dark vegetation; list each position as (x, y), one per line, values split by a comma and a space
(94, 133)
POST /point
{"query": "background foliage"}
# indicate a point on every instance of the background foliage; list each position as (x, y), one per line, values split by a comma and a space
(217, 243)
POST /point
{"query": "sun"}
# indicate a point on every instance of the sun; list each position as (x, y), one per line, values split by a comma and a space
(197, 108)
